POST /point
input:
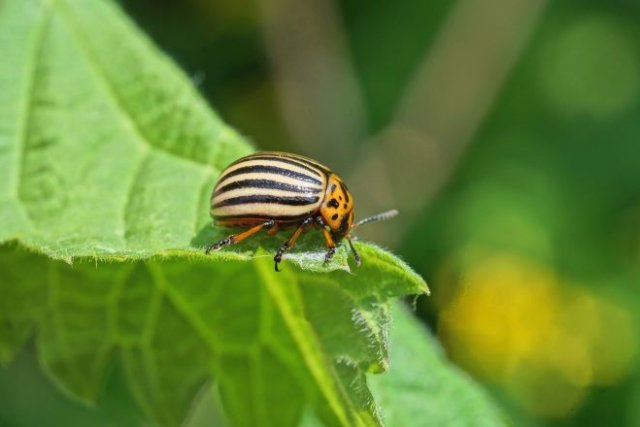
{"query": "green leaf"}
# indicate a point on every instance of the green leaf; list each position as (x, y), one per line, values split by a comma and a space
(175, 323)
(107, 160)
(106, 149)
(423, 388)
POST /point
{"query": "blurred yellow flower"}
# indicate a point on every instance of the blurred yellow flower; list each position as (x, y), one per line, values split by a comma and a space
(514, 323)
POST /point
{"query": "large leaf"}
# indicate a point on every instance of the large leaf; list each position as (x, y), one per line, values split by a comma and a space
(107, 159)
(422, 388)
(105, 148)
(274, 341)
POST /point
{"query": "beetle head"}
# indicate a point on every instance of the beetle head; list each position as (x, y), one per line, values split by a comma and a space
(337, 207)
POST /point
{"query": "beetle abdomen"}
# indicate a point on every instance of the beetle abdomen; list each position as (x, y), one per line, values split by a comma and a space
(268, 185)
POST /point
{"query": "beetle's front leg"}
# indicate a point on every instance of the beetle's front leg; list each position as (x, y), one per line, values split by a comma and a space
(291, 241)
(328, 240)
(330, 253)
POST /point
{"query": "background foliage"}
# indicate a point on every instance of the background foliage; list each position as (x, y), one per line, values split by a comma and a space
(504, 131)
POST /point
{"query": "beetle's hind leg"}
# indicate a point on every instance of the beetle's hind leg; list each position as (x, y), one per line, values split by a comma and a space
(239, 237)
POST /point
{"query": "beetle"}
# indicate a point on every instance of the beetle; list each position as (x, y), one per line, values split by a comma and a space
(273, 191)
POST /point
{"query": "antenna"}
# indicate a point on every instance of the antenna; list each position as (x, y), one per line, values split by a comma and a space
(379, 217)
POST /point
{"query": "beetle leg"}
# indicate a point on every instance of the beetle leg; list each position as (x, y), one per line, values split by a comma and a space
(273, 230)
(291, 241)
(331, 245)
(328, 240)
(239, 237)
(356, 255)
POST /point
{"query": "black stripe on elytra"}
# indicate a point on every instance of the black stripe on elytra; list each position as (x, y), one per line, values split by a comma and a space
(345, 191)
(325, 169)
(271, 169)
(263, 198)
(284, 155)
(266, 184)
(290, 161)
(241, 217)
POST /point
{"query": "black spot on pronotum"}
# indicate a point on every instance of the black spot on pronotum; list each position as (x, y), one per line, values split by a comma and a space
(340, 198)
(346, 206)
(333, 203)
(333, 188)
(334, 217)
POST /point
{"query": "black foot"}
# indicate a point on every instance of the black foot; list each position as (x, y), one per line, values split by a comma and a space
(329, 255)
(358, 259)
(278, 258)
(356, 255)
(222, 243)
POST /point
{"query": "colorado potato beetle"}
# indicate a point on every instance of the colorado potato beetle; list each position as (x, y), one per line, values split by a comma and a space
(274, 191)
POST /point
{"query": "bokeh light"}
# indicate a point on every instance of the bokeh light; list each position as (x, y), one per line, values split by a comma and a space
(591, 66)
(516, 323)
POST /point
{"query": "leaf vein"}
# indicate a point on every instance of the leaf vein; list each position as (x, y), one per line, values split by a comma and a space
(111, 91)
(182, 307)
(314, 365)
(27, 110)
(126, 226)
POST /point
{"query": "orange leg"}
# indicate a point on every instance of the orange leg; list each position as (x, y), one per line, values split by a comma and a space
(273, 230)
(236, 238)
(331, 245)
(291, 241)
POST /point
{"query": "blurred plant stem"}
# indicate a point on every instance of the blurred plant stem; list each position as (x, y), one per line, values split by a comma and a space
(451, 94)
(443, 106)
(317, 89)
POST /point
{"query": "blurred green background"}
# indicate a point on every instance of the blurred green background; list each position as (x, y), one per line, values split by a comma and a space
(507, 133)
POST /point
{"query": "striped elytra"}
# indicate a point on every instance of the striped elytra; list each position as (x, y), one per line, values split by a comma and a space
(268, 186)
(276, 190)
